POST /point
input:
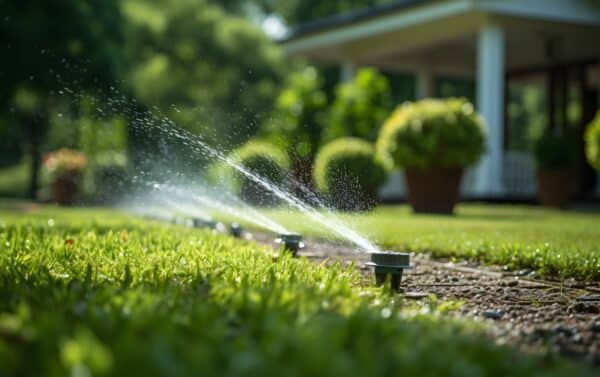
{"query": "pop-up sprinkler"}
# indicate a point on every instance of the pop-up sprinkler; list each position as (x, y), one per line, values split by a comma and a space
(291, 242)
(235, 230)
(388, 264)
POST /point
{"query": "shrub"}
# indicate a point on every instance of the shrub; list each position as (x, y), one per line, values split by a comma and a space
(347, 171)
(432, 133)
(592, 142)
(265, 160)
(360, 106)
(553, 151)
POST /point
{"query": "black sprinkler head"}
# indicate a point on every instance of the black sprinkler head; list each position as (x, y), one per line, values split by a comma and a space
(389, 265)
(291, 242)
(235, 230)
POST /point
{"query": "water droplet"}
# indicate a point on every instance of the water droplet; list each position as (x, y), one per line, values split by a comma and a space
(60, 115)
(50, 222)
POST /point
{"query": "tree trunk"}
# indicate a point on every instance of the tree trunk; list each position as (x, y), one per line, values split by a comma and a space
(35, 127)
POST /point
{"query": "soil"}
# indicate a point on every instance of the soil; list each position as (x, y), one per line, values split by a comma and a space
(533, 314)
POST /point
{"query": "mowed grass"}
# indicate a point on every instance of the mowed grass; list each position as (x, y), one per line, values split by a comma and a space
(554, 243)
(94, 292)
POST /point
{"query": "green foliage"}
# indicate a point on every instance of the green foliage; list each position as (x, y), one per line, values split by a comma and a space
(263, 159)
(360, 106)
(300, 114)
(432, 132)
(592, 142)
(553, 151)
(110, 176)
(347, 171)
(96, 293)
(211, 72)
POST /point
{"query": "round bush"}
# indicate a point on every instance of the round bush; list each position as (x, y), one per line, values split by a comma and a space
(592, 142)
(265, 160)
(348, 172)
(432, 133)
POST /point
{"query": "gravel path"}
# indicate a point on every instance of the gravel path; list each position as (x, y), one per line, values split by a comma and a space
(533, 314)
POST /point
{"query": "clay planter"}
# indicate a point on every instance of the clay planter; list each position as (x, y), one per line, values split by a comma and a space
(65, 189)
(433, 190)
(555, 186)
(389, 265)
(290, 242)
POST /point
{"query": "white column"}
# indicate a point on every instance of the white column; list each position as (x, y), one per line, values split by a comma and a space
(490, 103)
(348, 71)
(425, 83)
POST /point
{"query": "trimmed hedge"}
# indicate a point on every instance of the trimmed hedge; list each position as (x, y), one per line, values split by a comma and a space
(348, 172)
(592, 142)
(432, 133)
(265, 160)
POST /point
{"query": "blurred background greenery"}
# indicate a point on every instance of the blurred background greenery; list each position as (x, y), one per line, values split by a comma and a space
(82, 75)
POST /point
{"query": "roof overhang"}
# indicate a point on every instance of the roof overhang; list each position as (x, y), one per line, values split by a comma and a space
(416, 30)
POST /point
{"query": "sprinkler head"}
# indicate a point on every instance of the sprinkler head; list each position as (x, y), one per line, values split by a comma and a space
(291, 242)
(389, 265)
(235, 230)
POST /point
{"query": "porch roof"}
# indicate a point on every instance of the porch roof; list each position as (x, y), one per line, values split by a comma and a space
(410, 34)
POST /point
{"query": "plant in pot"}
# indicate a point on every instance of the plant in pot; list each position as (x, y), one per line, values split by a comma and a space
(556, 156)
(264, 160)
(348, 172)
(433, 140)
(64, 170)
(592, 142)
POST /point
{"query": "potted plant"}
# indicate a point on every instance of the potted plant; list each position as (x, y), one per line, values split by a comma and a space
(433, 140)
(349, 174)
(555, 157)
(592, 142)
(64, 169)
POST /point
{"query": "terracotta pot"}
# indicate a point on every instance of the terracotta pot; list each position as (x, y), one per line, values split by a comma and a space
(65, 189)
(555, 186)
(433, 190)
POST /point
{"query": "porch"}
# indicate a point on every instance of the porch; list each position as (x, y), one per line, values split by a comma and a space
(548, 45)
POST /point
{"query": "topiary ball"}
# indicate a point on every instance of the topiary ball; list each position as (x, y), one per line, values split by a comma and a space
(264, 160)
(349, 174)
(592, 142)
(432, 133)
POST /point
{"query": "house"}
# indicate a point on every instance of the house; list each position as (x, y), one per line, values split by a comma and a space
(551, 44)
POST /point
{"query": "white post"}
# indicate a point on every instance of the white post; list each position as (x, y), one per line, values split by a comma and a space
(425, 83)
(348, 71)
(490, 103)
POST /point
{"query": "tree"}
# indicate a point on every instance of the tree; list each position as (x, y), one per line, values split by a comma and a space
(213, 73)
(48, 45)
(360, 106)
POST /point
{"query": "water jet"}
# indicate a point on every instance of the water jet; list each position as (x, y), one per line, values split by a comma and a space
(290, 242)
(389, 265)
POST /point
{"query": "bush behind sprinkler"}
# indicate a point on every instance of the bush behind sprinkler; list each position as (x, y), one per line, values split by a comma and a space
(291, 242)
(204, 223)
(389, 265)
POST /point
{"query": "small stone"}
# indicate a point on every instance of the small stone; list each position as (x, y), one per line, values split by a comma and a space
(589, 298)
(512, 283)
(493, 314)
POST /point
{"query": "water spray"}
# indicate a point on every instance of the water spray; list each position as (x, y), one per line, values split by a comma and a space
(290, 242)
(389, 265)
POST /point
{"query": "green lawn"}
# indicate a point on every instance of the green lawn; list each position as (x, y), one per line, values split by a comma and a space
(93, 292)
(555, 243)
